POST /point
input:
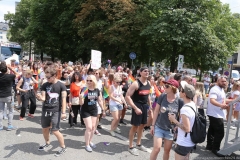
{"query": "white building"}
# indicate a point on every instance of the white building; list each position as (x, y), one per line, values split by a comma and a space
(3, 32)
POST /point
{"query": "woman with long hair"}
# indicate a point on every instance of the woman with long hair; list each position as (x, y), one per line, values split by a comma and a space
(160, 84)
(161, 126)
(116, 103)
(234, 94)
(89, 99)
(100, 85)
(74, 103)
(199, 97)
(35, 75)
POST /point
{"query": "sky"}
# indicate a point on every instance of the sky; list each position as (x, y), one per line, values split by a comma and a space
(9, 5)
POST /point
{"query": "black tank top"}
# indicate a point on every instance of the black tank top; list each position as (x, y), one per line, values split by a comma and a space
(141, 95)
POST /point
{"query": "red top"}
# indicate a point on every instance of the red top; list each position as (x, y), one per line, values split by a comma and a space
(75, 90)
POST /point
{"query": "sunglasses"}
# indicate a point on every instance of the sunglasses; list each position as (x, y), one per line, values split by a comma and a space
(118, 82)
(49, 77)
(167, 86)
(89, 80)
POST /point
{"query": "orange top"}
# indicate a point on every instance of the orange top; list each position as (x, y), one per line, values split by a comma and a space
(75, 89)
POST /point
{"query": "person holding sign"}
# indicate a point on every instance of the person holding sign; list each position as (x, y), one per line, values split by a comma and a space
(89, 98)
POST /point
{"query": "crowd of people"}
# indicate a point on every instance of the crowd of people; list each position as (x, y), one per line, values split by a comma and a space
(164, 103)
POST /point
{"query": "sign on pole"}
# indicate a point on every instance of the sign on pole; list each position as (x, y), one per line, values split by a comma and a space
(180, 62)
(132, 55)
(96, 57)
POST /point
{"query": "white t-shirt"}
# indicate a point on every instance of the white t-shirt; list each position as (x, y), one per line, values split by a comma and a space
(217, 93)
(205, 80)
(116, 93)
(235, 93)
(187, 111)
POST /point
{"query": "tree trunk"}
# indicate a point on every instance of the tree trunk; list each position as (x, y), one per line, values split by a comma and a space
(41, 56)
(30, 50)
(52, 56)
(173, 58)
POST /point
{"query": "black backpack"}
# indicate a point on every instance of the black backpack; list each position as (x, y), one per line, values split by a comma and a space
(198, 133)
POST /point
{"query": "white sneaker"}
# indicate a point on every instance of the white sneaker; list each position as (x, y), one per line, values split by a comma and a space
(112, 133)
(232, 127)
(117, 130)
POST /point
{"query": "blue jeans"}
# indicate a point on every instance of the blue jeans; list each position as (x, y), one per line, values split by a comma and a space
(7, 101)
(206, 88)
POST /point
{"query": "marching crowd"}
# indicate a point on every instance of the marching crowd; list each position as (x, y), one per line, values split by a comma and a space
(166, 104)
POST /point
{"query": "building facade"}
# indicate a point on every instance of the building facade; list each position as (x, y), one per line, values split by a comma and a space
(3, 32)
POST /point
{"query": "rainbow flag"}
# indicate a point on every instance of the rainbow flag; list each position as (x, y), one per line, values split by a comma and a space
(157, 92)
(105, 93)
(131, 79)
(85, 92)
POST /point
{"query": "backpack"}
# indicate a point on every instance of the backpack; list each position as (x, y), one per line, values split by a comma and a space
(198, 133)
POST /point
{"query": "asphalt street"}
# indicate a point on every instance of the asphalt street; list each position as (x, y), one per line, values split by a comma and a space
(23, 143)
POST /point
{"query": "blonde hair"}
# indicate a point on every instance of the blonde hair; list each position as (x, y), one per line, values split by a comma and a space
(93, 78)
(200, 91)
(235, 86)
(117, 78)
(28, 72)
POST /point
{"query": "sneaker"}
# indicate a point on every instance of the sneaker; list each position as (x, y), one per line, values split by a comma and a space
(133, 151)
(112, 133)
(117, 130)
(18, 107)
(64, 119)
(92, 145)
(41, 148)
(234, 120)
(5, 117)
(60, 152)
(21, 118)
(97, 133)
(232, 127)
(88, 148)
(99, 126)
(122, 122)
(30, 115)
(142, 148)
(10, 127)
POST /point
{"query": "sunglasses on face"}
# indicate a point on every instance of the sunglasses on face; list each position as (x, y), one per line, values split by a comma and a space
(118, 82)
(49, 77)
(167, 86)
(89, 80)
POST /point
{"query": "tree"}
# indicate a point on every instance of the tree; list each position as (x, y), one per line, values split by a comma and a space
(187, 27)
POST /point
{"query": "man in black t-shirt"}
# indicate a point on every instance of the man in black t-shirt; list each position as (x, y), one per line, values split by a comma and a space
(53, 94)
(138, 98)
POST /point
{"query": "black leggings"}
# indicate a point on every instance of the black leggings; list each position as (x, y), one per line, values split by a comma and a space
(75, 109)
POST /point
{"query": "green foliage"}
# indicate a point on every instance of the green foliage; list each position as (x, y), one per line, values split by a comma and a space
(204, 31)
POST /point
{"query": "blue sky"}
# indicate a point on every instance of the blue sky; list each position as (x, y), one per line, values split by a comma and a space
(9, 5)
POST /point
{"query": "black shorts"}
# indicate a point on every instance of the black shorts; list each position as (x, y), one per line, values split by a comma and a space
(86, 112)
(183, 151)
(51, 118)
(137, 120)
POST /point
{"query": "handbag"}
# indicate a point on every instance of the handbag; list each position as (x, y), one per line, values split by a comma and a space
(75, 101)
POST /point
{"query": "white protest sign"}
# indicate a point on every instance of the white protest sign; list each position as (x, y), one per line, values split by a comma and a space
(180, 62)
(96, 57)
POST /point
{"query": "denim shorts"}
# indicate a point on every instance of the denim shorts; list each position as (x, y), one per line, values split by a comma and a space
(114, 108)
(182, 150)
(160, 133)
